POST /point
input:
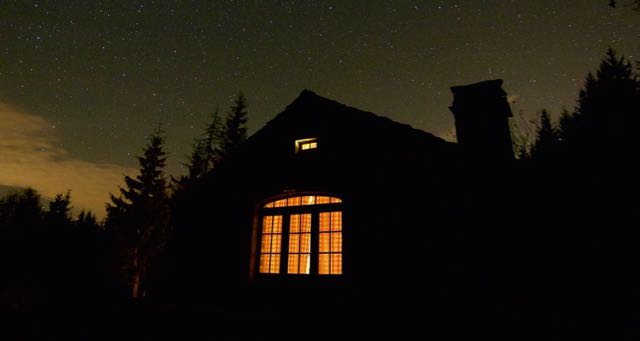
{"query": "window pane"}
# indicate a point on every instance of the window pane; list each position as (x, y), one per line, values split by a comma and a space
(264, 263)
(281, 203)
(266, 224)
(269, 205)
(336, 242)
(295, 201)
(324, 242)
(305, 264)
(336, 221)
(275, 264)
(322, 200)
(324, 221)
(292, 268)
(335, 200)
(294, 223)
(277, 224)
(275, 243)
(336, 264)
(308, 200)
(293, 243)
(323, 264)
(305, 243)
(305, 223)
(265, 246)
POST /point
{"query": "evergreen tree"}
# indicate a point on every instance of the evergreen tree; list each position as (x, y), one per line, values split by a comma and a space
(21, 210)
(565, 125)
(86, 220)
(21, 249)
(219, 139)
(235, 129)
(59, 213)
(198, 164)
(207, 149)
(607, 111)
(140, 215)
(546, 143)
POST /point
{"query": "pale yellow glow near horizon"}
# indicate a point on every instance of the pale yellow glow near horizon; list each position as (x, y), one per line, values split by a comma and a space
(30, 156)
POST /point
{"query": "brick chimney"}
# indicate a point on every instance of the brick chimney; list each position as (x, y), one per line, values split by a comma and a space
(481, 113)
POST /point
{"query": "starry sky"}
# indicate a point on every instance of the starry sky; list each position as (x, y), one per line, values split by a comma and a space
(83, 82)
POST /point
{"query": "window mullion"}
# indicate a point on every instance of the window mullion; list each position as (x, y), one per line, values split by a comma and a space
(284, 244)
(314, 238)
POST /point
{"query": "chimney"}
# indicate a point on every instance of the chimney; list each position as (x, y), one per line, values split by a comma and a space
(481, 113)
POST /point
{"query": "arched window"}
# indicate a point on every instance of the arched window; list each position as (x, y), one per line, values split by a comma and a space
(301, 235)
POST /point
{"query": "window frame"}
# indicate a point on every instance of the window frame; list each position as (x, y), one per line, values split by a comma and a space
(306, 141)
(286, 212)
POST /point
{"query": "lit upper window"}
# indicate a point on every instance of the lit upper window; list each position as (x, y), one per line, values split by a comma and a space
(306, 144)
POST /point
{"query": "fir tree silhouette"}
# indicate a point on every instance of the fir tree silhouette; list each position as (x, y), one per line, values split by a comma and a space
(545, 146)
(59, 213)
(207, 150)
(235, 128)
(140, 215)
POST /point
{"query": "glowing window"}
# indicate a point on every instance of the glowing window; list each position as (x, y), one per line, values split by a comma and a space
(270, 244)
(303, 200)
(309, 230)
(299, 261)
(330, 243)
(306, 144)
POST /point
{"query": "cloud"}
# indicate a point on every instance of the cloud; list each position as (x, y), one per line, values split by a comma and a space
(30, 157)
(448, 134)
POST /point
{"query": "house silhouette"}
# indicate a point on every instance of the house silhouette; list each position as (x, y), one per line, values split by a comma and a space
(419, 226)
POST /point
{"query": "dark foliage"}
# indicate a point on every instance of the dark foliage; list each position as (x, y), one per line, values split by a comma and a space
(138, 219)
(441, 239)
(235, 129)
(207, 150)
(546, 143)
(49, 260)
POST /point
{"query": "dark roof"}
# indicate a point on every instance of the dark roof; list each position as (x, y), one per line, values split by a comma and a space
(312, 106)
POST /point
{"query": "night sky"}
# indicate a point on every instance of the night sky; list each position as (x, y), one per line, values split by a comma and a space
(83, 82)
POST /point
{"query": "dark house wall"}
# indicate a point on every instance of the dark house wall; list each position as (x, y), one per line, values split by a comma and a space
(412, 237)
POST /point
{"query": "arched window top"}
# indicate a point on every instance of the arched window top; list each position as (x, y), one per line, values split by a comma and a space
(303, 200)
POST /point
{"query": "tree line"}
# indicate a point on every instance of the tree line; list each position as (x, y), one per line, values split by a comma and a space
(601, 126)
(48, 255)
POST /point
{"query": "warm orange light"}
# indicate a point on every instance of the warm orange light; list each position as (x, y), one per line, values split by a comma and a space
(298, 232)
(306, 144)
(299, 260)
(330, 243)
(270, 244)
(303, 200)
(295, 201)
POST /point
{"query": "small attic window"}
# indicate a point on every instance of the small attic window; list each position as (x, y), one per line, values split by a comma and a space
(306, 144)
